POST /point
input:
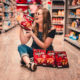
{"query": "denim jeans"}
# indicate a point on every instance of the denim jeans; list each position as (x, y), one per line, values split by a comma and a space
(24, 50)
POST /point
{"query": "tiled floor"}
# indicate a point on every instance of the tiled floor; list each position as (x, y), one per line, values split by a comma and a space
(10, 68)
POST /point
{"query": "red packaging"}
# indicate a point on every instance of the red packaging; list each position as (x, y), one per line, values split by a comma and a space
(54, 59)
(39, 56)
(50, 58)
(27, 23)
(61, 59)
(28, 18)
(21, 1)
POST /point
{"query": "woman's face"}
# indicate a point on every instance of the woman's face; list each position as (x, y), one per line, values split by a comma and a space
(39, 16)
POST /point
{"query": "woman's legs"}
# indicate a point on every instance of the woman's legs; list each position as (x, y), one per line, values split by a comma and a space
(25, 53)
(26, 59)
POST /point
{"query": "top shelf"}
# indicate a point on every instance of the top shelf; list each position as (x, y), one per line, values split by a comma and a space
(74, 7)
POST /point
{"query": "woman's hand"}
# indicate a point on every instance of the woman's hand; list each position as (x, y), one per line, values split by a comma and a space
(31, 32)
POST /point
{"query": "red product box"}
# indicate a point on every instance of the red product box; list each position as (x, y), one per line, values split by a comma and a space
(61, 59)
(39, 56)
(50, 58)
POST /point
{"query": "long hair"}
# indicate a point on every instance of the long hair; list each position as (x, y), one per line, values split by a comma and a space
(46, 23)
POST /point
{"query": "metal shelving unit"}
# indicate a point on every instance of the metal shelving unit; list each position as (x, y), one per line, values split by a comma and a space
(58, 16)
(74, 17)
(56, 6)
(57, 24)
(8, 16)
(74, 7)
(25, 4)
(75, 29)
(1, 14)
(68, 24)
(74, 42)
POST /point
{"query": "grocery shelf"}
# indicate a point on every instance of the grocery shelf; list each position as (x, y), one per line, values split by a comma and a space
(58, 16)
(57, 24)
(22, 4)
(71, 15)
(59, 32)
(5, 30)
(57, 7)
(25, 4)
(8, 11)
(74, 17)
(74, 29)
(74, 7)
(74, 42)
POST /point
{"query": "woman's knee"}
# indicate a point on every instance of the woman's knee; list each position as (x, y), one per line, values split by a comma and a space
(21, 46)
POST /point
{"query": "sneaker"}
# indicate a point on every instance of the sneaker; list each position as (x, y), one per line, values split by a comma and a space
(33, 66)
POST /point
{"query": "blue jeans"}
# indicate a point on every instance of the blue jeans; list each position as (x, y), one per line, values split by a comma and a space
(24, 50)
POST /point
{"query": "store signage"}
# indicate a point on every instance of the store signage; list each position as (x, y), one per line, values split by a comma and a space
(49, 3)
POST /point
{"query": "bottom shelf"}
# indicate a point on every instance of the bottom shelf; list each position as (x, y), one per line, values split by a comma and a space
(59, 32)
(2, 31)
(74, 42)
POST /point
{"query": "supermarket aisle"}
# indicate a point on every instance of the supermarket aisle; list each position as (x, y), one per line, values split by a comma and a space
(10, 68)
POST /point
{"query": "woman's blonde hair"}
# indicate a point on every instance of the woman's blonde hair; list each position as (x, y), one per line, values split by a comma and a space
(46, 23)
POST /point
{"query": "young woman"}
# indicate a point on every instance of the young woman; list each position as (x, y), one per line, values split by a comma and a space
(42, 35)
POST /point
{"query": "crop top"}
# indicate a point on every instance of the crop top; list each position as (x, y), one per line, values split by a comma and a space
(51, 34)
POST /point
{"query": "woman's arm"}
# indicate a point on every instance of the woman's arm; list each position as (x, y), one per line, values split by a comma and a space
(44, 44)
(24, 38)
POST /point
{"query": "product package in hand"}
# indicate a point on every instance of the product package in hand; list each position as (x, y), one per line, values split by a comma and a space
(50, 59)
(61, 59)
(27, 23)
(39, 56)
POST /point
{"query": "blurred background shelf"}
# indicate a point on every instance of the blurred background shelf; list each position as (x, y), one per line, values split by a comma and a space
(74, 29)
(74, 7)
(74, 42)
(57, 7)
(58, 16)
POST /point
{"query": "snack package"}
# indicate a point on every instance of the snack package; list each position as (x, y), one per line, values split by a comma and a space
(39, 56)
(61, 59)
(50, 58)
(27, 23)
